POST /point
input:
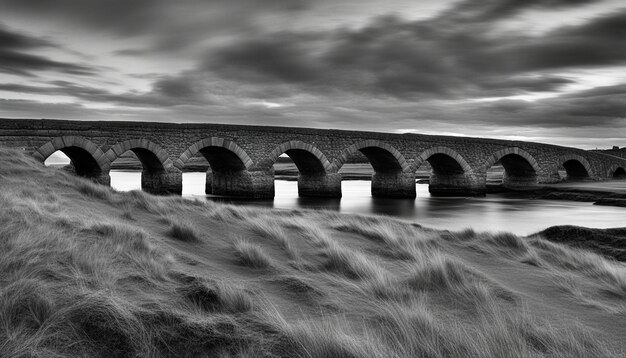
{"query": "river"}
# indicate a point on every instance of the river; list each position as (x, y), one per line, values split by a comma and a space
(495, 212)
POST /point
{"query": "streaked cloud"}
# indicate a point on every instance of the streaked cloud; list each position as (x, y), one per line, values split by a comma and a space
(433, 66)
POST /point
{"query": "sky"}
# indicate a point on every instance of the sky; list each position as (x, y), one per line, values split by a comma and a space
(551, 71)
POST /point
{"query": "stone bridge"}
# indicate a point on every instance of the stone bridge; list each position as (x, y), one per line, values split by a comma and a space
(242, 157)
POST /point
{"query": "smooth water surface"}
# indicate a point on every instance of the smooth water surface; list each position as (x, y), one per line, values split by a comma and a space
(495, 212)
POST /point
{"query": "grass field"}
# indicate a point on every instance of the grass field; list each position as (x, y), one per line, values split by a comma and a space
(86, 271)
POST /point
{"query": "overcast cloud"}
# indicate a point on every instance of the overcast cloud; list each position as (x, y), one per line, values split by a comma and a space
(546, 70)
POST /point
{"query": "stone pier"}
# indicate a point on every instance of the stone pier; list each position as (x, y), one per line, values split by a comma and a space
(322, 185)
(162, 182)
(466, 184)
(245, 184)
(549, 178)
(208, 184)
(393, 185)
(514, 181)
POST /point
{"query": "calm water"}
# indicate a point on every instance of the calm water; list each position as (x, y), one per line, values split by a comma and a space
(494, 212)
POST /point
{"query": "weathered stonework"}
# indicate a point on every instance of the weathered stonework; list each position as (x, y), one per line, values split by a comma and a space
(513, 181)
(393, 185)
(470, 184)
(241, 157)
(325, 185)
(245, 184)
(162, 183)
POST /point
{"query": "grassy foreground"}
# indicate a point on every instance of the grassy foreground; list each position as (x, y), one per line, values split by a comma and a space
(86, 271)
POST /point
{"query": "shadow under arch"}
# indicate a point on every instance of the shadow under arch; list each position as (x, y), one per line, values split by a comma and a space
(520, 167)
(576, 167)
(158, 175)
(392, 176)
(616, 172)
(443, 160)
(451, 175)
(307, 158)
(222, 154)
(86, 157)
(229, 175)
(619, 173)
(315, 176)
(383, 157)
(153, 158)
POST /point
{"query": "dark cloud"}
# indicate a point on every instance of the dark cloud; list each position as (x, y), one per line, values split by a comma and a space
(489, 10)
(601, 107)
(15, 59)
(14, 40)
(166, 92)
(423, 59)
(167, 25)
(545, 83)
(280, 56)
(24, 64)
(599, 42)
(604, 101)
(117, 15)
(236, 65)
(185, 88)
(611, 25)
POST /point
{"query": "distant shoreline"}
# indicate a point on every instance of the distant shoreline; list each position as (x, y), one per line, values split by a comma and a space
(582, 192)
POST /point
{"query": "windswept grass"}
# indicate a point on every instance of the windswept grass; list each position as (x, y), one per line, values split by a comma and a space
(180, 229)
(611, 274)
(93, 190)
(402, 242)
(561, 262)
(214, 296)
(266, 228)
(86, 271)
(183, 231)
(411, 330)
(251, 255)
(349, 263)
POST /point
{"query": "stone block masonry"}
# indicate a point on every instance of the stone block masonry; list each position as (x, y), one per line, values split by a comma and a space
(242, 157)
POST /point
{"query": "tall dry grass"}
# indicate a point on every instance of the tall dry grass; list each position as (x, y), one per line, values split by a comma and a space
(78, 280)
(566, 265)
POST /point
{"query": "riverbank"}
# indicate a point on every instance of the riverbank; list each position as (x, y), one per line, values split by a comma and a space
(88, 271)
(609, 193)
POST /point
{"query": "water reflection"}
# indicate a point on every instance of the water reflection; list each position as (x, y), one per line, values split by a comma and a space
(319, 203)
(495, 212)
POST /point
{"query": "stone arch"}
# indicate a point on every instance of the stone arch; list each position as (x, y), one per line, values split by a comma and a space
(451, 175)
(392, 176)
(576, 166)
(87, 158)
(222, 154)
(383, 157)
(307, 157)
(495, 157)
(616, 171)
(619, 173)
(520, 167)
(445, 161)
(152, 157)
